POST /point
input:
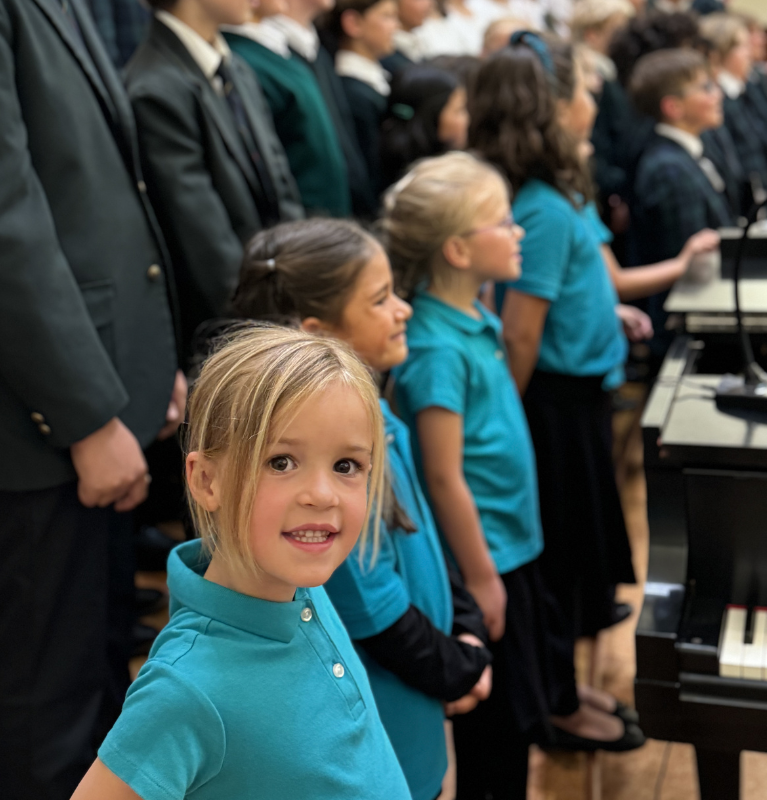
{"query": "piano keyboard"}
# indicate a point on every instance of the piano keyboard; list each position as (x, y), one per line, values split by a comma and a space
(743, 643)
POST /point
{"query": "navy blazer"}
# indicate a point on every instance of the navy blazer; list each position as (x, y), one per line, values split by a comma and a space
(201, 177)
(86, 332)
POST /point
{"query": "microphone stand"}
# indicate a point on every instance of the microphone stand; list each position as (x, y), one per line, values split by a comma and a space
(751, 395)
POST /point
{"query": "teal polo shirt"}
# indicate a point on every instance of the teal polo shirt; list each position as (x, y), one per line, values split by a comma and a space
(562, 262)
(246, 699)
(459, 363)
(409, 569)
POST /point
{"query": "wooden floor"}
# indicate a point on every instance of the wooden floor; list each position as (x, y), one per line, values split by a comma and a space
(658, 771)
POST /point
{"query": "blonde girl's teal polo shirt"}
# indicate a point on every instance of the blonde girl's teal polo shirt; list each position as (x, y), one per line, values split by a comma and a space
(246, 699)
(372, 596)
(458, 362)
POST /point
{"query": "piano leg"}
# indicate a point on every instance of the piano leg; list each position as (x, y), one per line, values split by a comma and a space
(718, 774)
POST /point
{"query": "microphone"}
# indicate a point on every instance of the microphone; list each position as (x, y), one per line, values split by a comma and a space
(750, 394)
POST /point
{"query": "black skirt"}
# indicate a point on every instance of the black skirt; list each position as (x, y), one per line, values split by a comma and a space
(491, 742)
(586, 547)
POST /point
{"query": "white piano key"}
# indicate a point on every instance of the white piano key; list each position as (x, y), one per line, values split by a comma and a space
(755, 654)
(732, 642)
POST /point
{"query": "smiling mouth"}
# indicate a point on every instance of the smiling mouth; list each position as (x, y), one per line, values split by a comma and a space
(310, 537)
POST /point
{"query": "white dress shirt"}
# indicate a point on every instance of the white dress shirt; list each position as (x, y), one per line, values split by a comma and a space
(353, 65)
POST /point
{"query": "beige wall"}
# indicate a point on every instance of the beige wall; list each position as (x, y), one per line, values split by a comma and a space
(757, 8)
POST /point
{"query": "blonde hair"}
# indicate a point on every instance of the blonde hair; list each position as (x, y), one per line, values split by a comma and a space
(259, 378)
(589, 14)
(721, 31)
(437, 199)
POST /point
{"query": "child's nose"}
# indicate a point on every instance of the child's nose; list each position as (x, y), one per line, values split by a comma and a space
(319, 492)
(404, 309)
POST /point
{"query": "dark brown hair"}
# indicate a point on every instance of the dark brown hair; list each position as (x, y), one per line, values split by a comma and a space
(309, 269)
(302, 269)
(330, 25)
(514, 123)
(660, 74)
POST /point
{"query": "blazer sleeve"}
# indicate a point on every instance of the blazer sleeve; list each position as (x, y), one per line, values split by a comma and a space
(193, 214)
(51, 355)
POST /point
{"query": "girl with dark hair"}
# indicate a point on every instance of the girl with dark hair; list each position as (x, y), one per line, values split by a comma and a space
(421, 646)
(360, 33)
(531, 114)
(426, 116)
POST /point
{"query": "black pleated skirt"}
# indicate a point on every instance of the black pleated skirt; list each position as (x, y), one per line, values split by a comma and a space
(586, 547)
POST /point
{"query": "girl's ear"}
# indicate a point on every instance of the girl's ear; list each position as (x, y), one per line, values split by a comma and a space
(314, 325)
(203, 480)
(456, 252)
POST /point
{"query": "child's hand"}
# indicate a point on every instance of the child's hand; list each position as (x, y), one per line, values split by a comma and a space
(701, 242)
(490, 595)
(481, 689)
(636, 324)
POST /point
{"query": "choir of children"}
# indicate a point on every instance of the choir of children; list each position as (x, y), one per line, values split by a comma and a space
(361, 570)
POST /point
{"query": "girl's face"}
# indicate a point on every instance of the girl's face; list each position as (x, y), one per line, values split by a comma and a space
(413, 13)
(374, 320)
(493, 243)
(453, 124)
(578, 114)
(310, 505)
(377, 26)
(738, 61)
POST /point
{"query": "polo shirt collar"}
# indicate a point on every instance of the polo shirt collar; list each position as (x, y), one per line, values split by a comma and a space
(305, 41)
(207, 56)
(692, 144)
(353, 65)
(270, 36)
(733, 87)
(455, 316)
(188, 588)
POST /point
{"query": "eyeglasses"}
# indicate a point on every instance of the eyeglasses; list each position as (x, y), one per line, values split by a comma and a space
(708, 87)
(507, 223)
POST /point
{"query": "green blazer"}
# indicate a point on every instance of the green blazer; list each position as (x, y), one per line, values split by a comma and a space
(85, 325)
(304, 125)
(201, 178)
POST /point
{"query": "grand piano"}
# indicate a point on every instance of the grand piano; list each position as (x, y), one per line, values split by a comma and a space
(701, 640)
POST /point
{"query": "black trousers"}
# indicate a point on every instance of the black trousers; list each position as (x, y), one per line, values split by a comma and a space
(66, 595)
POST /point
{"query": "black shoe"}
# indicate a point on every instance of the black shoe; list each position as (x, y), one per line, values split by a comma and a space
(143, 637)
(629, 715)
(632, 739)
(150, 601)
(152, 549)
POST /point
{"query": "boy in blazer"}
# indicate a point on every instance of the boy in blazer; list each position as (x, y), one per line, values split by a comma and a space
(87, 369)
(216, 170)
(297, 25)
(678, 190)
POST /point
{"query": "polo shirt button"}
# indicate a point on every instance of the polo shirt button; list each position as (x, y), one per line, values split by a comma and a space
(306, 614)
(499, 354)
(389, 438)
(154, 272)
(338, 670)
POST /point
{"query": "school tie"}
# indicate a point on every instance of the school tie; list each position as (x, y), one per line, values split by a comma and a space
(712, 173)
(267, 204)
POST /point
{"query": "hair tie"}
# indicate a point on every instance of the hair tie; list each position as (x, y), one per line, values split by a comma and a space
(538, 46)
(403, 111)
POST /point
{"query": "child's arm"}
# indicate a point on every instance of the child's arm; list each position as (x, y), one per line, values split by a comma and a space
(637, 282)
(524, 316)
(101, 783)
(440, 433)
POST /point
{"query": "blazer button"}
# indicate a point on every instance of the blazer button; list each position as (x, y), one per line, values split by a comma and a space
(37, 417)
(44, 429)
(141, 187)
(154, 272)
